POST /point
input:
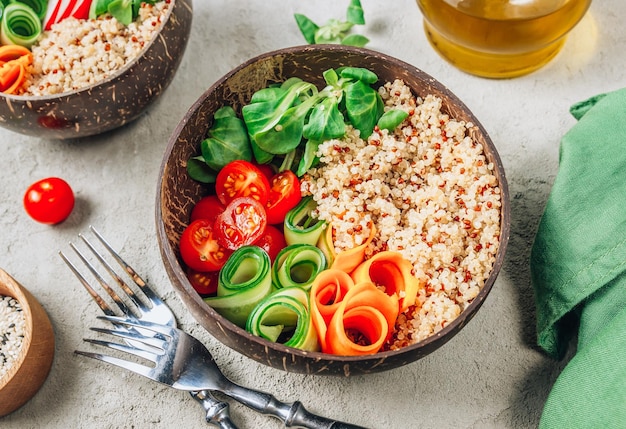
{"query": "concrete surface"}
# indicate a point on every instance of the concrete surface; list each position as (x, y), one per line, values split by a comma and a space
(490, 375)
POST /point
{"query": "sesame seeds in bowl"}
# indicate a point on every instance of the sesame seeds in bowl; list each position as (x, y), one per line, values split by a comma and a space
(12, 330)
(26, 344)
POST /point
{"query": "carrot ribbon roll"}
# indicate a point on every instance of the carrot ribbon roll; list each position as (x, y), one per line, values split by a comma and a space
(349, 259)
(363, 322)
(351, 319)
(392, 271)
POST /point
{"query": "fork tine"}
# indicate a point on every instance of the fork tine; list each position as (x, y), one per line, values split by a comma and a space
(105, 285)
(132, 335)
(129, 292)
(142, 353)
(139, 281)
(96, 297)
(140, 369)
(136, 323)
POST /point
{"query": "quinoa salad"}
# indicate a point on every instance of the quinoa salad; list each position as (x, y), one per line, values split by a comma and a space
(77, 53)
(432, 196)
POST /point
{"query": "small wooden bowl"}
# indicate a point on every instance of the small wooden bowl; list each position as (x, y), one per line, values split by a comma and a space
(177, 193)
(28, 373)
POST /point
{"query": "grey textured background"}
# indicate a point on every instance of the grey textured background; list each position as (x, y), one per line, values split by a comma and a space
(491, 375)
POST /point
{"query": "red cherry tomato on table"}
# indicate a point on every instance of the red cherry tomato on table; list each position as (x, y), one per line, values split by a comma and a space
(273, 241)
(241, 179)
(242, 223)
(284, 195)
(205, 283)
(49, 201)
(209, 207)
(199, 248)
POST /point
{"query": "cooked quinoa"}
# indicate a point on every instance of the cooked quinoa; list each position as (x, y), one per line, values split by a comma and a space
(432, 195)
(77, 53)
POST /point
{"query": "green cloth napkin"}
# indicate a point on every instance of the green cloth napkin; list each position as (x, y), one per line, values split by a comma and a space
(578, 267)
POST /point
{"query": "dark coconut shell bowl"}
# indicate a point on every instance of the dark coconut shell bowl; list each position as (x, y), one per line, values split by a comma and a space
(177, 194)
(111, 103)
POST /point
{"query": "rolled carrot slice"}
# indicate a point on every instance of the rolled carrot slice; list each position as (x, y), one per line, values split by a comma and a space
(367, 322)
(14, 60)
(327, 292)
(18, 81)
(362, 323)
(13, 52)
(9, 74)
(348, 260)
(392, 271)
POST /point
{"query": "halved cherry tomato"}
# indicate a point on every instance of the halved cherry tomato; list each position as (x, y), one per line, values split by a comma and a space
(49, 201)
(242, 223)
(266, 169)
(209, 207)
(241, 179)
(284, 195)
(273, 241)
(205, 283)
(200, 249)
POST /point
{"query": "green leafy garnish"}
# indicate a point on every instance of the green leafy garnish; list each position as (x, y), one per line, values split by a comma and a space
(125, 11)
(364, 106)
(122, 10)
(334, 31)
(285, 123)
(227, 140)
(281, 118)
(198, 170)
(391, 119)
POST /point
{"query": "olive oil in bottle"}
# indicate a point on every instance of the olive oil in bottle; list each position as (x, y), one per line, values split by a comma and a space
(500, 38)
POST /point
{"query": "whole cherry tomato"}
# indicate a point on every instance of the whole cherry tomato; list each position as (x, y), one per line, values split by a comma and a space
(209, 207)
(241, 179)
(284, 195)
(205, 283)
(49, 201)
(200, 249)
(273, 241)
(242, 223)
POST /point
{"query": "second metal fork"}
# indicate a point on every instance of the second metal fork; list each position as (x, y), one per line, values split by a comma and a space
(155, 311)
(183, 362)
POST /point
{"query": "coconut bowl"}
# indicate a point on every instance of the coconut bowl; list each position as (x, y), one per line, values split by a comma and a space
(28, 373)
(177, 193)
(111, 103)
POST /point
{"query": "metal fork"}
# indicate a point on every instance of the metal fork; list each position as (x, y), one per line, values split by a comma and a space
(183, 362)
(156, 311)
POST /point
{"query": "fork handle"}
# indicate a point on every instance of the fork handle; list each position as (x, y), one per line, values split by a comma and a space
(293, 415)
(217, 412)
(300, 417)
